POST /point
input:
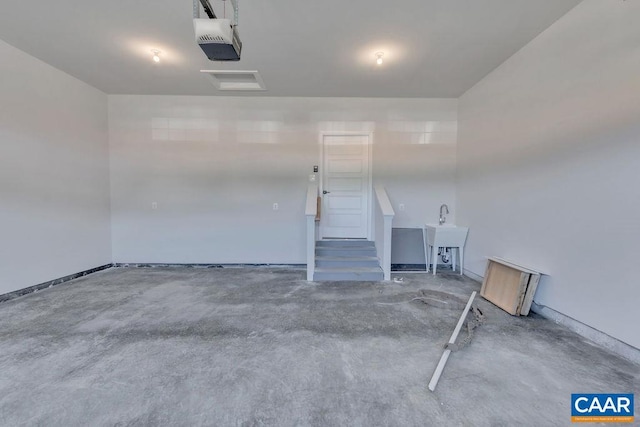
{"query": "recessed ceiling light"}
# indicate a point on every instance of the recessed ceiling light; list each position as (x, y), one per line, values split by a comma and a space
(156, 55)
(379, 56)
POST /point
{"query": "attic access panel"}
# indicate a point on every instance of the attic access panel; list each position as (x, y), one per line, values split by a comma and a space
(236, 80)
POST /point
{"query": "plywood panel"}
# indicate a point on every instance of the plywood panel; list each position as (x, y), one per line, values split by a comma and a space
(504, 286)
(509, 286)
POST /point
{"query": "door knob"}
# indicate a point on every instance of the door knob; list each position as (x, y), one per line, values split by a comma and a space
(325, 192)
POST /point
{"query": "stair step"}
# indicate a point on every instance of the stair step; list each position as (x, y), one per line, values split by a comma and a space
(348, 274)
(344, 243)
(351, 251)
(344, 261)
(347, 260)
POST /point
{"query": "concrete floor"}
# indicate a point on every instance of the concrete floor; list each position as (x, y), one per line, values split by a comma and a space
(260, 346)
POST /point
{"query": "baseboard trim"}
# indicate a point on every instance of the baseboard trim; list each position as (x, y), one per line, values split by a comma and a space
(607, 341)
(35, 288)
(473, 276)
(419, 268)
(178, 265)
(407, 267)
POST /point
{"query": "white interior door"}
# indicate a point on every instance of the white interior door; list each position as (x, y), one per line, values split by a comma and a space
(346, 187)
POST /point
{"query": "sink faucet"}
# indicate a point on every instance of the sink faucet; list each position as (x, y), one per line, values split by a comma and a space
(443, 219)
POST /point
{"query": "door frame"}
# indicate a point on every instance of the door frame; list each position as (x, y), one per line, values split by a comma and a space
(370, 203)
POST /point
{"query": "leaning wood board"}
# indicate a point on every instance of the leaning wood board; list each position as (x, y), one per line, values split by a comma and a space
(509, 286)
(531, 291)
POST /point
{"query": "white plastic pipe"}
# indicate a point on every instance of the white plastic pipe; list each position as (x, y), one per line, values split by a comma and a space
(445, 356)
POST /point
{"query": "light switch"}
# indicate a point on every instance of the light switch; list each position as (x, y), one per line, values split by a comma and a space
(275, 207)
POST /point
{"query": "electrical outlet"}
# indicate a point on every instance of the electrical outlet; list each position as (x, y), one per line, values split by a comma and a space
(312, 178)
(401, 206)
(275, 207)
(154, 205)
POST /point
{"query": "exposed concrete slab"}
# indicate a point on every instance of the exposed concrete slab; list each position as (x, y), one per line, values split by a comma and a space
(260, 346)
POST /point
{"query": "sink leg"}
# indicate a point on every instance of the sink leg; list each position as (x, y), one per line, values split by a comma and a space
(453, 259)
(434, 259)
(461, 260)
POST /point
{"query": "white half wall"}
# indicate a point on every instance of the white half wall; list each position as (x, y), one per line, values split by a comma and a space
(214, 167)
(549, 165)
(54, 182)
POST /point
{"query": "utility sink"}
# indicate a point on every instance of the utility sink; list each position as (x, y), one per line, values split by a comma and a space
(444, 236)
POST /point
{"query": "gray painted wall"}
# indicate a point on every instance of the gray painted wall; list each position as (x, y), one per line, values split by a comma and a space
(214, 166)
(54, 184)
(548, 158)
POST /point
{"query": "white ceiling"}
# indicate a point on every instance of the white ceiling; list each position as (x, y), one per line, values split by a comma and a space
(433, 48)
